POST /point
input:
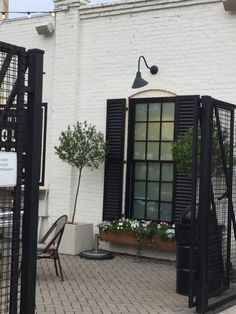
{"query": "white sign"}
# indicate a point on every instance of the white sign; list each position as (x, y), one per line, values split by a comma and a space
(8, 168)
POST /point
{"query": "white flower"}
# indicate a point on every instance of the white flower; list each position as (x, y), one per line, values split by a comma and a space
(170, 235)
(134, 224)
(170, 231)
(104, 225)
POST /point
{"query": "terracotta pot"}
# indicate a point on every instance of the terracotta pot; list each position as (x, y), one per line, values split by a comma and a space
(129, 238)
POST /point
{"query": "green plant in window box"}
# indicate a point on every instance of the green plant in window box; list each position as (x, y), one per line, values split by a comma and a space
(143, 232)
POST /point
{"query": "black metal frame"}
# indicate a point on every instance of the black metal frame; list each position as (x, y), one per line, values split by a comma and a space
(206, 241)
(12, 80)
(211, 261)
(28, 115)
(204, 201)
(43, 145)
(31, 197)
(192, 269)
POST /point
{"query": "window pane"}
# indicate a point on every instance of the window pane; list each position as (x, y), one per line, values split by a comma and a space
(141, 112)
(139, 209)
(140, 170)
(154, 131)
(139, 150)
(153, 171)
(168, 112)
(153, 151)
(167, 172)
(165, 211)
(140, 190)
(154, 112)
(166, 191)
(140, 131)
(153, 191)
(166, 151)
(152, 210)
(167, 131)
(152, 179)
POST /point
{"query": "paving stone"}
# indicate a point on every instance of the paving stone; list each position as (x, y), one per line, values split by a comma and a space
(122, 285)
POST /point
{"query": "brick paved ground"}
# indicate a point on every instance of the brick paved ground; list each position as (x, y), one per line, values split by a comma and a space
(122, 285)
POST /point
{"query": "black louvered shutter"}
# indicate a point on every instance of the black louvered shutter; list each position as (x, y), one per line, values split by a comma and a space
(186, 117)
(113, 180)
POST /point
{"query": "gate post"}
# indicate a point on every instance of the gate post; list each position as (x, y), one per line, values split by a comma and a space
(32, 173)
(204, 202)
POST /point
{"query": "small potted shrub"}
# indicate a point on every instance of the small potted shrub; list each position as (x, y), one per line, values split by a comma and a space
(80, 146)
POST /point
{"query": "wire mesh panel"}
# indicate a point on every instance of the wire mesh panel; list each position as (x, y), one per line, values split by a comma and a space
(12, 76)
(21, 75)
(219, 239)
(217, 227)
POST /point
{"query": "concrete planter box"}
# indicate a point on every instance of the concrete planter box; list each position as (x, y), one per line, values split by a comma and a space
(76, 238)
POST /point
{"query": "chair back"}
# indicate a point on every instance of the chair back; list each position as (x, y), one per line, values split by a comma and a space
(55, 232)
(60, 226)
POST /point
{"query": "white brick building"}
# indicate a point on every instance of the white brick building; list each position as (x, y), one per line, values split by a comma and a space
(92, 56)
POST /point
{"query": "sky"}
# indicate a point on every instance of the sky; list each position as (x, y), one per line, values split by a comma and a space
(36, 5)
(30, 5)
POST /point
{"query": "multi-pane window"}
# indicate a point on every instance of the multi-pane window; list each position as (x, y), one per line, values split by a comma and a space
(152, 162)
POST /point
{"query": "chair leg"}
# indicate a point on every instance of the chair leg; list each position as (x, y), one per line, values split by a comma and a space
(60, 268)
(55, 263)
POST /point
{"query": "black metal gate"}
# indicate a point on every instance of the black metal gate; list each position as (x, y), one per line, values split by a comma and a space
(20, 144)
(212, 255)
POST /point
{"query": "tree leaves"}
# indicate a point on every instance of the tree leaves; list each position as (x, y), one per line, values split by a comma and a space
(81, 146)
(182, 151)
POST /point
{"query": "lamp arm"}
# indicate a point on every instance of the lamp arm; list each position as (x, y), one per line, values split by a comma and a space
(139, 59)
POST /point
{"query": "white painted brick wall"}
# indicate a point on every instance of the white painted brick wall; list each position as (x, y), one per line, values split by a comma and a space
(93, 55)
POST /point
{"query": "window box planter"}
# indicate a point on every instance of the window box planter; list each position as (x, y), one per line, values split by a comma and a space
(129, 238)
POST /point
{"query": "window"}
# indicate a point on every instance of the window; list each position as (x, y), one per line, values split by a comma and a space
(151, 137)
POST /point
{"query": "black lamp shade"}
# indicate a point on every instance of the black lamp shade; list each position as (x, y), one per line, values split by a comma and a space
(139, 81)
(154, 69)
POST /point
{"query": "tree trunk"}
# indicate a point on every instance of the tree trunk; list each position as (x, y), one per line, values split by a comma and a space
(76, 196)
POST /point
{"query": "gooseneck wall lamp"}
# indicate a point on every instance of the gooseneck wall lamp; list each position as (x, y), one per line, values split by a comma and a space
(139, 81)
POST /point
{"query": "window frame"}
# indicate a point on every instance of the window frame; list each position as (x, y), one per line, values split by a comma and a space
(130, 151)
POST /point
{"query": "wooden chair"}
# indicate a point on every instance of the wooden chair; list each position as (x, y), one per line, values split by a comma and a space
(47, 247)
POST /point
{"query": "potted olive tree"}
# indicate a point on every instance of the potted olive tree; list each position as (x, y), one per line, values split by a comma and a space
(80, 146)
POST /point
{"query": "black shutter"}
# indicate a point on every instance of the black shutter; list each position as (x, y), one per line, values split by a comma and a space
(186, 117)
(113, 180)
